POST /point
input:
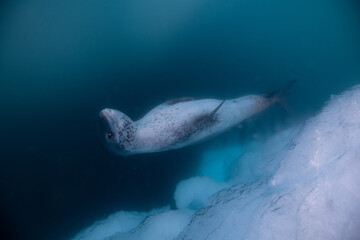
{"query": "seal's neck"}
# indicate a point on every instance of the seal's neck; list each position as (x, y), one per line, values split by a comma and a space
(127, 133)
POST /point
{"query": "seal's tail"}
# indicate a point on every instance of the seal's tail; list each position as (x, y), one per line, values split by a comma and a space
(279, 96)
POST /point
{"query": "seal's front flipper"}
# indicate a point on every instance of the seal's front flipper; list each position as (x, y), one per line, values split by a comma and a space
(208, 118)
(197, 123)
(216, 109)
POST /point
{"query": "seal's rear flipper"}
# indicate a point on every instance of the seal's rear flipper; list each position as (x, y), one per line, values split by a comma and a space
(279, 96)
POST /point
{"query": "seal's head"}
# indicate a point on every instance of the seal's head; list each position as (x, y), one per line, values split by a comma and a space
(116, 131)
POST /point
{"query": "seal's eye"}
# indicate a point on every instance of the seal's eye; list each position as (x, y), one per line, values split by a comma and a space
(110, 135)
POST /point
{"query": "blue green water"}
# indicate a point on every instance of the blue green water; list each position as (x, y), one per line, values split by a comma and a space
(62, 62)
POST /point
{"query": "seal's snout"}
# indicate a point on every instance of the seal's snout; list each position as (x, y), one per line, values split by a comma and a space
(105, 113)
(105, 124)
(105, 119)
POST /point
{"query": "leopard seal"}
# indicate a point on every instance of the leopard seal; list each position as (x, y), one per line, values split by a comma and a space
(180, 122)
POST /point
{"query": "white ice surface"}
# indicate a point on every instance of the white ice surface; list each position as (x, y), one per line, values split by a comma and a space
(312, 193)
(118, 222)
(163, 226)
(193, 193)
(302, 183)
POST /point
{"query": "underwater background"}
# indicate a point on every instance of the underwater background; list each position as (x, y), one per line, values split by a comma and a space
(61, 62)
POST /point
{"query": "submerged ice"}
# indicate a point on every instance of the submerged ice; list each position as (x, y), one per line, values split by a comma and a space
(118, 222)
(302, 183)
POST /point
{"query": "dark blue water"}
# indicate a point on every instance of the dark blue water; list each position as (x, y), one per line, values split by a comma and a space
(62, 62)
